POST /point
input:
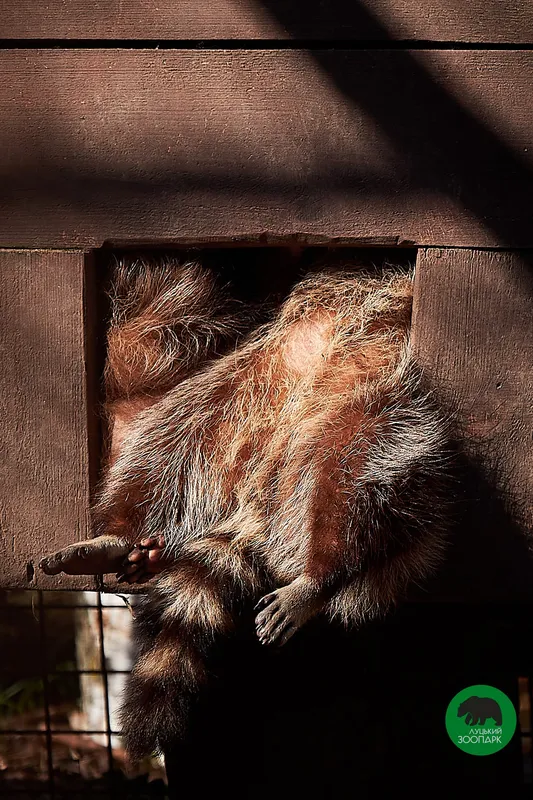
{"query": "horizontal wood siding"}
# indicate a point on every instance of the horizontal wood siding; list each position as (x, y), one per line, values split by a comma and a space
(129, 146)
(322, 20)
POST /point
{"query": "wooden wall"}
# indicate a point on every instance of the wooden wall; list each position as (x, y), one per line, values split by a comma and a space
(479, 21)
(383, 122)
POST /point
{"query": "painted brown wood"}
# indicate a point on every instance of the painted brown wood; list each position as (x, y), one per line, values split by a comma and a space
(44, 468)
(473, 331)
(438, 20)
(147, 146)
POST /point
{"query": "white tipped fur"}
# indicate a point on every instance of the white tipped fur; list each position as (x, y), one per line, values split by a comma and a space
(310, 459)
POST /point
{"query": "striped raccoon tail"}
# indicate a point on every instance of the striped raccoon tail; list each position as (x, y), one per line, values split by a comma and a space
(190, 607)
(168, 317)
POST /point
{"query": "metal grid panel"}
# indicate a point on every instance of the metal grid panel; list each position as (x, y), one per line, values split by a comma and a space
(51, 751)
(43, 754)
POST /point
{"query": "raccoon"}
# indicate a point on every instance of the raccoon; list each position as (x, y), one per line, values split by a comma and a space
(305, 472)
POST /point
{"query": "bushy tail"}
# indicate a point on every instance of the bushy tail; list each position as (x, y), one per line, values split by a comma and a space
(191, 606)
(167, 318)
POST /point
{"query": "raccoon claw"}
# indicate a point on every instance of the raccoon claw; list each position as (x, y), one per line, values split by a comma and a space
(268, 598)
(278, 634)
(275, 624)
(283, 612)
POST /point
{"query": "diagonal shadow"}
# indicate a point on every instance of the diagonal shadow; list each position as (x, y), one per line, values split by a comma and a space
(451, 152)
(448, 149)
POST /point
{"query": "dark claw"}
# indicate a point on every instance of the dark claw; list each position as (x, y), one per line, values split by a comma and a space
(265, 601)
(287, 634)
(278, 634)
(267, 616)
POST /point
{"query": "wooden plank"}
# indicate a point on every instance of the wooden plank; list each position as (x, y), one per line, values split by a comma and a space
(371, 20)
(473, 331)
(44, 484)
(146, 146)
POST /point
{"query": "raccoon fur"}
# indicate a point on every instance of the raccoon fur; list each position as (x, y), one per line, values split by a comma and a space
(305, 472)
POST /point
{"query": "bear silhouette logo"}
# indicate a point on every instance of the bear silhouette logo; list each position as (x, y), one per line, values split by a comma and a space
(481, 720)
(479, 709)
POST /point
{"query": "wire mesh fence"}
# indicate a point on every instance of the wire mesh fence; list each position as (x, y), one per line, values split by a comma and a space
(64, 658)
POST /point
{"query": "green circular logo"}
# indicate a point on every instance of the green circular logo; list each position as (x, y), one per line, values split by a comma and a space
(481, 720)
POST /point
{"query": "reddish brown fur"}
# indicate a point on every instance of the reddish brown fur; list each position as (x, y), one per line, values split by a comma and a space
(302, 461)
(298, 465)
(167, 319)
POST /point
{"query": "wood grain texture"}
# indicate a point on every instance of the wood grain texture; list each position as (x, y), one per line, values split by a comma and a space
(139, 146)
(44, 468)
(473, 331)
(378, 20)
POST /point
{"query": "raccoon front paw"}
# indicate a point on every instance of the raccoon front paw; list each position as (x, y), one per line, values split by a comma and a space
(144, 561)
(283, 612)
